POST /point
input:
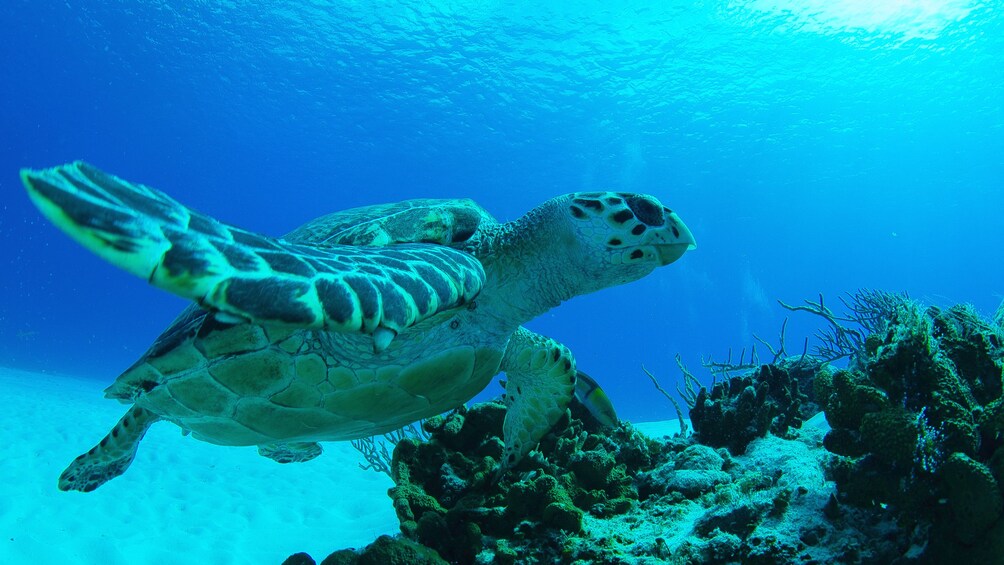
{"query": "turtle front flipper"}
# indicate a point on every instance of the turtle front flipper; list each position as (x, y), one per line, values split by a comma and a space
(112, 456)
(540, 382)
(374, 290)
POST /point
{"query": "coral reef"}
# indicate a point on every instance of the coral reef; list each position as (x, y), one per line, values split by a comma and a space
(449, 497)
(904, 466)
(591, 495)
(918, 419)
(745, 407)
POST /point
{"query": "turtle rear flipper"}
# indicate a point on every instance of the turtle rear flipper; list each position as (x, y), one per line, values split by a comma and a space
(112, 456)
(290, 452)
(375, 290)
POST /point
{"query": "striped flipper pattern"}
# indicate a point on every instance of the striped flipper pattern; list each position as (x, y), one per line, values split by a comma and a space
(249, 276)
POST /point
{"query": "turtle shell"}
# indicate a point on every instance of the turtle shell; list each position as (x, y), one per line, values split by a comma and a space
(451, 222)
(238, 383)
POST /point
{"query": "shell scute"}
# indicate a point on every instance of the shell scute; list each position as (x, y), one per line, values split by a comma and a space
(273, 369)
(373, 402)
(232, 340)
(178, 360)
(310, 369)
(298, 395)
(202, 396)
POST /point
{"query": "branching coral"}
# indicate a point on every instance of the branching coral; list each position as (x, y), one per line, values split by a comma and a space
(725, 369)
(689, 397)
(377, 451)
(868, 312)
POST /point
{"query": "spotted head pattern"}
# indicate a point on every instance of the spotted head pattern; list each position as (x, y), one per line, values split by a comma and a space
(629, 229)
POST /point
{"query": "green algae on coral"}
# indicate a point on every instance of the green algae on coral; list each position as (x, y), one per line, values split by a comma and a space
(449, 497)
(593, 495)
(917, 421)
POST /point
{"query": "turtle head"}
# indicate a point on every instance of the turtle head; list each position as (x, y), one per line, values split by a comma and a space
(580, 243)
(619, 237)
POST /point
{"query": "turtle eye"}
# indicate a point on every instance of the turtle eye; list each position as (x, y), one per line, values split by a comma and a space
(647, 211)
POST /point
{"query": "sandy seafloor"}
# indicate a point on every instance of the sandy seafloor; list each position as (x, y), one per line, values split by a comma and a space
(182, 500)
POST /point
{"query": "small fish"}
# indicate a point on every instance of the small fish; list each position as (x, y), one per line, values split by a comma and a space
(589, 393)
(27, 335)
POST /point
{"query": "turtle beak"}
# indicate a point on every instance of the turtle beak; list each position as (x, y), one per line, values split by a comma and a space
(672, 252)
(682, 240)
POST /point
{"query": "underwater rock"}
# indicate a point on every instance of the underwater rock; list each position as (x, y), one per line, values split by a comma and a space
(299, 559)
(689, 483)
(386, 550)
(917, 422)
(695, 471)
(700, 458)
(769, 511)
(737, 411)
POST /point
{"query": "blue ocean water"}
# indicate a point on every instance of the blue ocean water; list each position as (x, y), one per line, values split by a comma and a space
(812, 147)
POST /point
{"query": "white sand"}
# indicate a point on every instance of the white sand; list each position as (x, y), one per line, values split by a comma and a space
(658, 430)
(181, 501)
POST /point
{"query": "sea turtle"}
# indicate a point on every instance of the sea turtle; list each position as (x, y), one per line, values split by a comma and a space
(355, 324)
